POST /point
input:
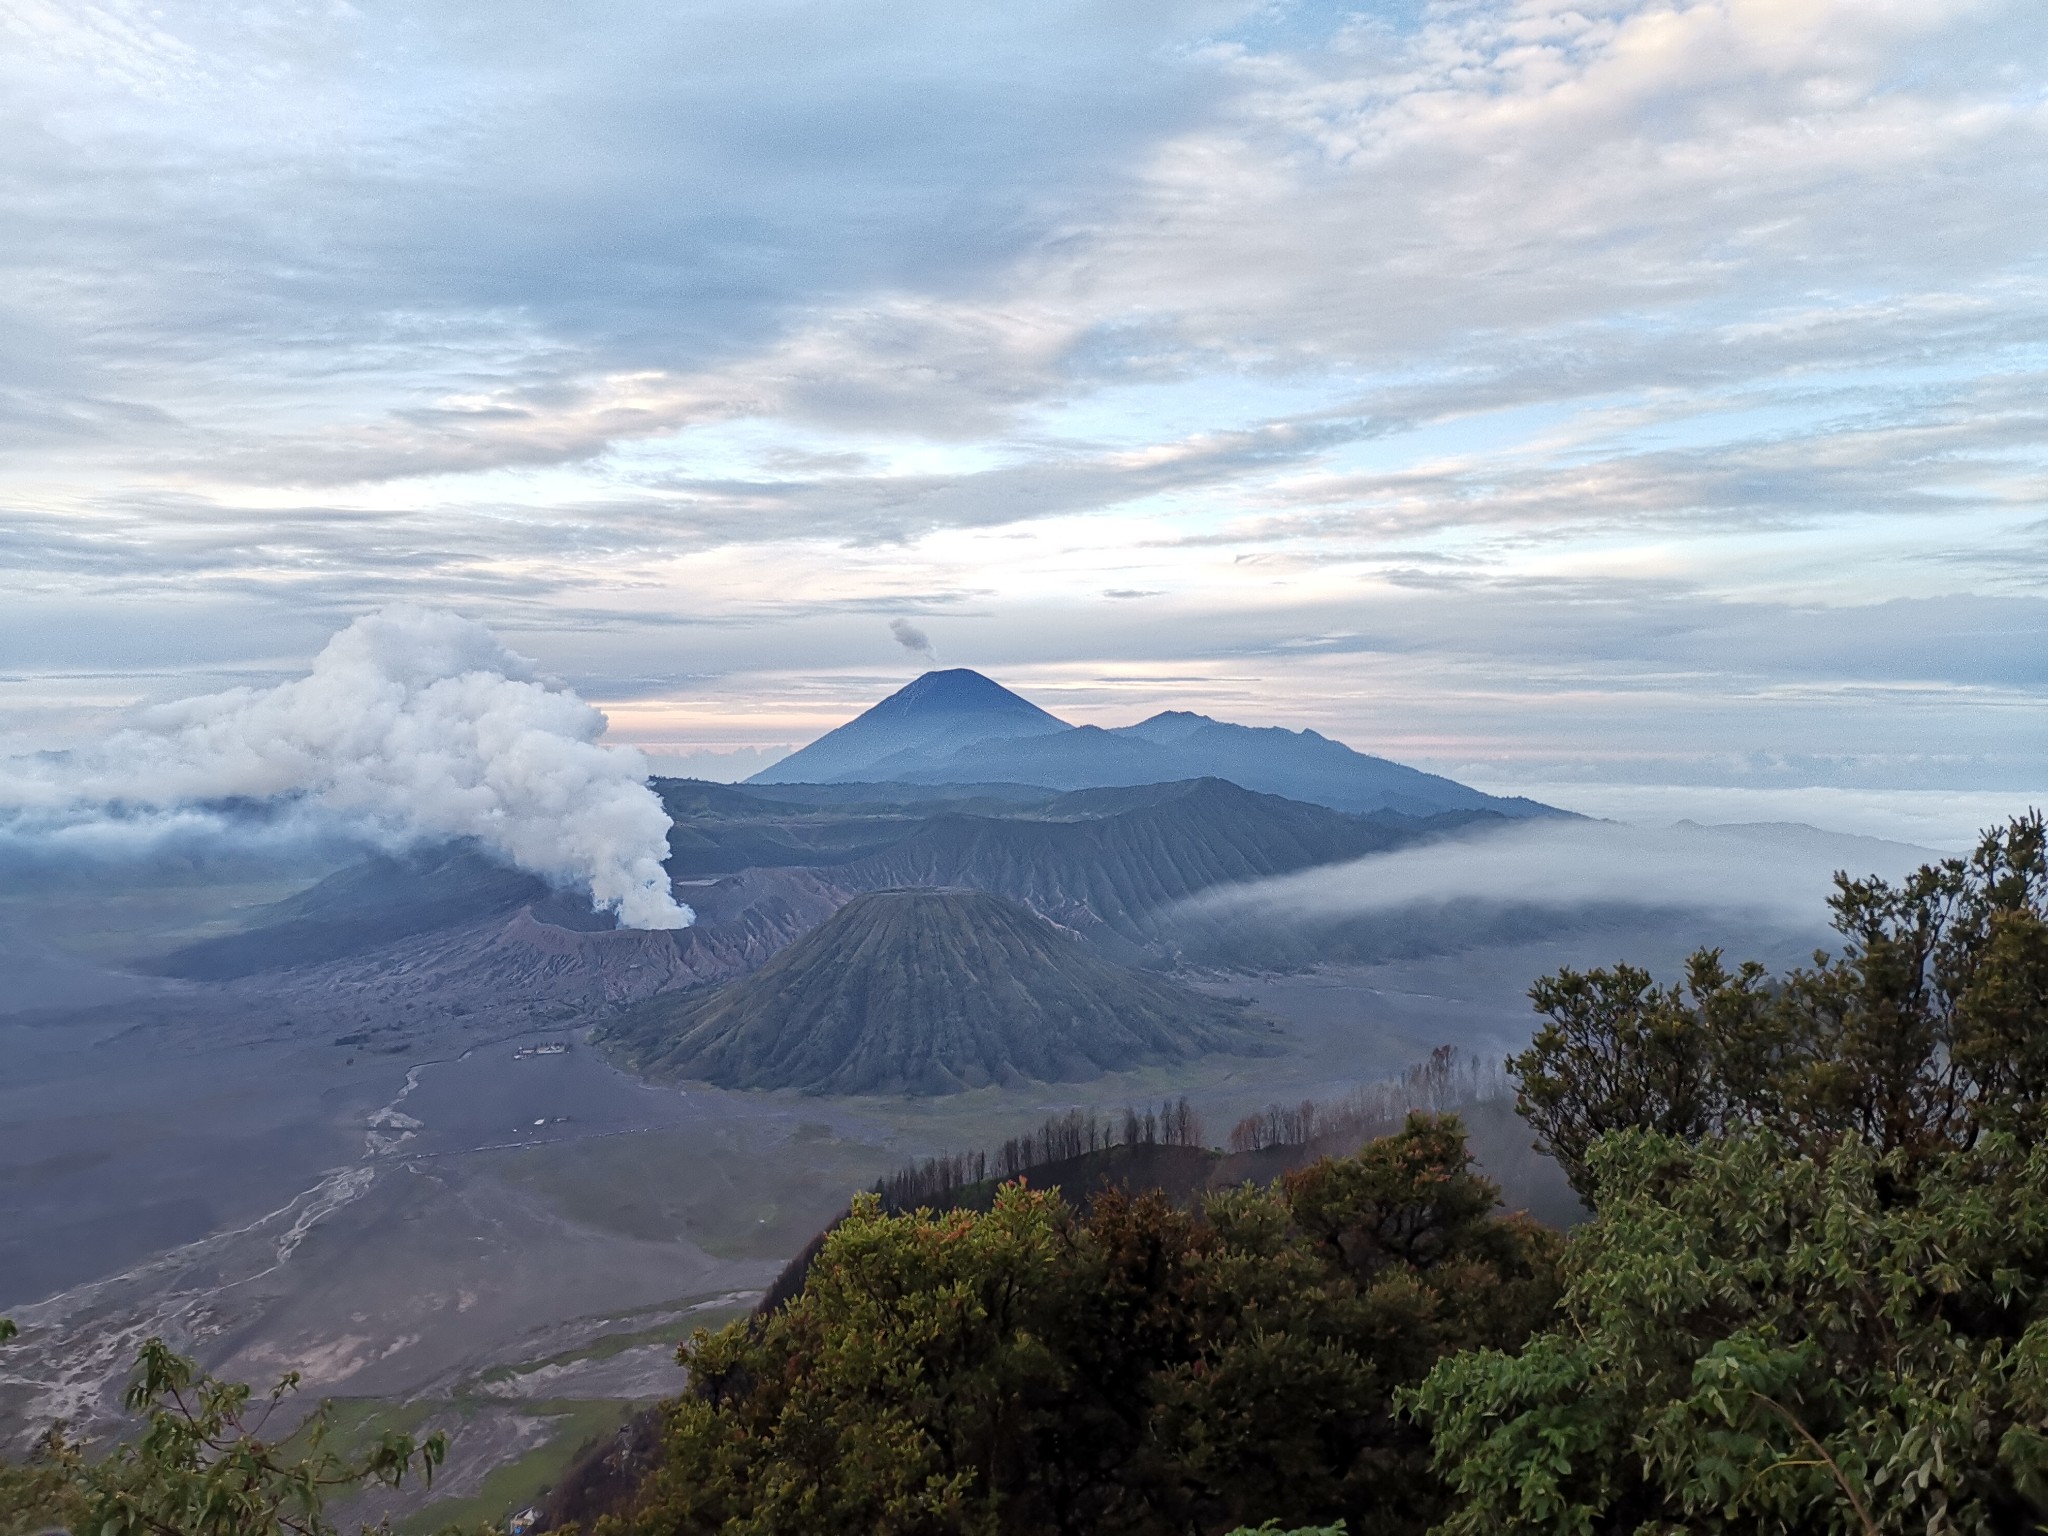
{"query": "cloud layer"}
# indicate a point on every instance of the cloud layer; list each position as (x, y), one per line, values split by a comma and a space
(1620, 365)
(1780, 874)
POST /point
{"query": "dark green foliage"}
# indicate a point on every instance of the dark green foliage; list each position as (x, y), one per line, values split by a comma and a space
(1136, 1369)
(1924, 1032)
(1815, 1296)
(200, 1466)
(1083, 1155)
(1754, 1339)
(1621, 1052)
(928, 992)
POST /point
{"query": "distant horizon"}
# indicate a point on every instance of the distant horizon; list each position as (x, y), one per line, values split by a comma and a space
(1640, 398)
(1943, 820)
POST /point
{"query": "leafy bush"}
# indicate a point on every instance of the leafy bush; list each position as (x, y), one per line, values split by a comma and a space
(1815, 1296)
(200, 1466)
(1924, 1033)
(1753, 1339)
(1140, 1369)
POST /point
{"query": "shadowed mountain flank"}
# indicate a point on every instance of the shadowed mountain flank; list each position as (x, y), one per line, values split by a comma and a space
(533, 958)
(717, 829)
(1301, 765)
(928, 991)
(377, 902)
(1113, 858)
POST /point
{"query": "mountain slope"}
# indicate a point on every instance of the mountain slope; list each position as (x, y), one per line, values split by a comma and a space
(937, 714)
(527, 966)
(1301, 765)
(1305, 765)
(376, 902)
(959, 727)
(1112, 858)
(715, 829)
(927, 992)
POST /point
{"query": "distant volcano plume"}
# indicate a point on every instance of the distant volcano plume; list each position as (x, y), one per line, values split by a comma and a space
(412, 725)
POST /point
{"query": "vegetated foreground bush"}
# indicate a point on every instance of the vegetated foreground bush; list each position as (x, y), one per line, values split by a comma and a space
(1138, 1369)
(1753, 1340)
(201, 1466)
(1814, 1296)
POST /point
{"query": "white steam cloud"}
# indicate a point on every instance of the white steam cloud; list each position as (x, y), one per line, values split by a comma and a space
(412, 724)
(913, 639)
(1783, 872)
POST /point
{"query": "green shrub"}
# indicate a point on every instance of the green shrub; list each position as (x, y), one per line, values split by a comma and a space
(1140, 1369)
(200, 1466)
(1753, 1339)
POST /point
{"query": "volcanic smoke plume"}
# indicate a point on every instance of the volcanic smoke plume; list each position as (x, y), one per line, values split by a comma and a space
(913, 639)
(412, 725)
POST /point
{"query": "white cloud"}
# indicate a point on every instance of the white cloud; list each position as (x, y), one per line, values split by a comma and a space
(1782, 874)
(1949, 820)
(1648, 333)
(411, 724)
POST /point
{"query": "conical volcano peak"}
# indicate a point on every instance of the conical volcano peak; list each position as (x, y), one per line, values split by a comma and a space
(954, 691)
(959, 727)
(936, 714)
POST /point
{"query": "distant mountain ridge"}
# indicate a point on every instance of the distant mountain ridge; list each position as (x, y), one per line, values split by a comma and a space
(1111, 863)
(959, 727)
(1120, 859)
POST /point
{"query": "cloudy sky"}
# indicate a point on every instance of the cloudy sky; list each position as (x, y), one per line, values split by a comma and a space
(1644, 405)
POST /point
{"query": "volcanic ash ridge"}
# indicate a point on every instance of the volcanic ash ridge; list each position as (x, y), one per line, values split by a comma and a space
(929, 991)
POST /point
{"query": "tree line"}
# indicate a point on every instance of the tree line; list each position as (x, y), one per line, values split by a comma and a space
(1445, 1080)
(1059, 1139)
